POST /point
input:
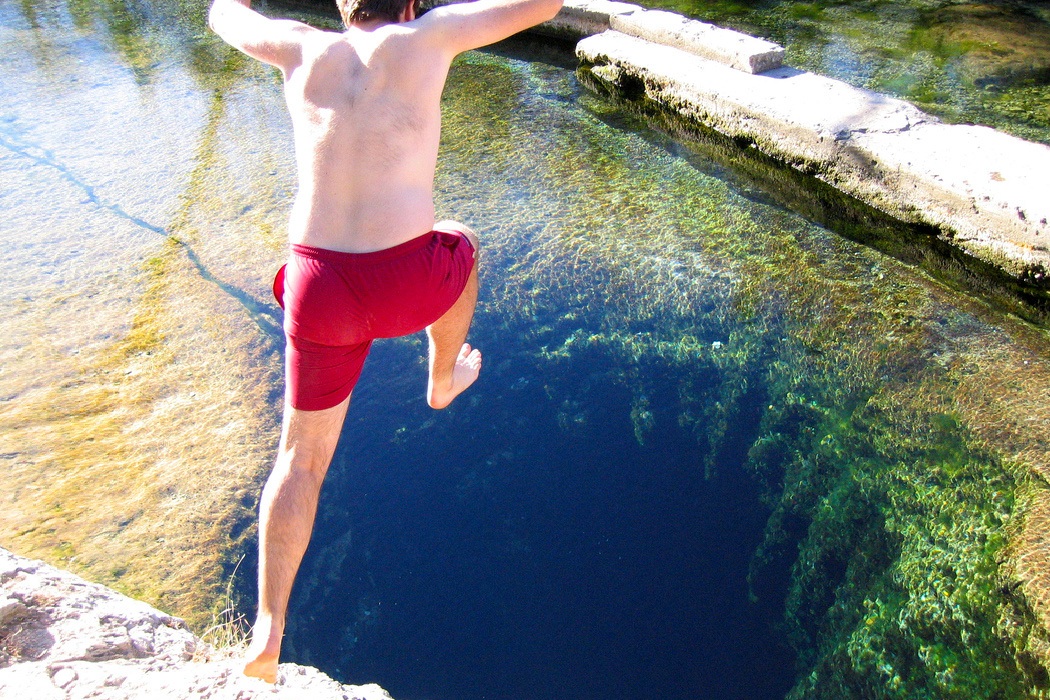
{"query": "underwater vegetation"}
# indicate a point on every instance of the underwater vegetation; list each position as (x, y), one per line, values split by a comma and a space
(902, 519)
(892, 512)
(966, 62)
(655, 314)
(892, 499)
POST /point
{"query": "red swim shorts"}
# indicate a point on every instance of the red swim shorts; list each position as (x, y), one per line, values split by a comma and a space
(337, 303)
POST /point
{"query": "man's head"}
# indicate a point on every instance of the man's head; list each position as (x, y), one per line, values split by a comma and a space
(365, 10)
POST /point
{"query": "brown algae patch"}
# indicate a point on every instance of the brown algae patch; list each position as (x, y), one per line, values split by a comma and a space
(137, 473)
(1001, 394)
(994, 43)
(135, 459)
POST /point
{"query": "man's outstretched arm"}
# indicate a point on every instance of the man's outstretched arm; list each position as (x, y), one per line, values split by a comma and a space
(277, 42)
(470, 25)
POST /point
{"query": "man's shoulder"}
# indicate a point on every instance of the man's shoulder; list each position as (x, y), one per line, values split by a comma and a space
(274, 41)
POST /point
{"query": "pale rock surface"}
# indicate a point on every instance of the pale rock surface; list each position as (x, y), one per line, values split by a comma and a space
(575, 20)
(580, 18)
(63, 638)
(985, 190)
(734, 49)
(583, 18)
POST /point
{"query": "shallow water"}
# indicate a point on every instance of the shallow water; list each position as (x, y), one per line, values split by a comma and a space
(712, 437)
(981, 62)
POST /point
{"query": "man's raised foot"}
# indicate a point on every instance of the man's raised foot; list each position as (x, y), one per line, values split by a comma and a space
(464, 373)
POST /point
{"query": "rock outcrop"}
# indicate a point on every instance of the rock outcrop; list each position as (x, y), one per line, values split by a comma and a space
(981, 190)
(63, 638)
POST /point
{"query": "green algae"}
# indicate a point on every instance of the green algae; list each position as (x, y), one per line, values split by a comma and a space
(893, 502)
(897, 580)
(904, 519)
(984, 63)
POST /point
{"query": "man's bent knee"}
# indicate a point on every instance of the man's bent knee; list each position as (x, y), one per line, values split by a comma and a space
(313, 460)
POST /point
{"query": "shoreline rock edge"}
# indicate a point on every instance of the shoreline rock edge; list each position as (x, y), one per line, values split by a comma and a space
(62, 637)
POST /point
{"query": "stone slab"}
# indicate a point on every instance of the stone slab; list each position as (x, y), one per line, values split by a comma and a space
(732, 48)
(990, 189)
(576, 19)
(983, 189)
(582, 18)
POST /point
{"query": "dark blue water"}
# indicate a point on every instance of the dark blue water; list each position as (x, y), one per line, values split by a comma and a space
(489, 552)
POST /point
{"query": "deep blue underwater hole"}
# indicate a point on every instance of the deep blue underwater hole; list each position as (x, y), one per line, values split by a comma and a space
(526, 544)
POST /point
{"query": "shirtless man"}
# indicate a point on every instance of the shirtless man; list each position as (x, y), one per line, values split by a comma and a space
(367, 259)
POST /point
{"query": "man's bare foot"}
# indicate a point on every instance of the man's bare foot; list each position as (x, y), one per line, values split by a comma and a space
(464, 373)
(263, 653)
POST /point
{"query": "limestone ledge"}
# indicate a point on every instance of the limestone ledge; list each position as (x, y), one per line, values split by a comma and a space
(64, 638)
(983, 191)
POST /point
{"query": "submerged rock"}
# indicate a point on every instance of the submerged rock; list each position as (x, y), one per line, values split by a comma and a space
(62, 637)
(996, 44)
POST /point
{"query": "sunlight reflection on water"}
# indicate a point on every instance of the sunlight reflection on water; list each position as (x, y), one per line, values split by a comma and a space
(662, 342)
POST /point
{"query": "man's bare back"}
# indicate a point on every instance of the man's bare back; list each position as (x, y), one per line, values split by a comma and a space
(365, 109)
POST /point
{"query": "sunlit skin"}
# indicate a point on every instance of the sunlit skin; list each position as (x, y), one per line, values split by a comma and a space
(365, 110)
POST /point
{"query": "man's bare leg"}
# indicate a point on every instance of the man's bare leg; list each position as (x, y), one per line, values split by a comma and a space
(286, 519)
(454, 365)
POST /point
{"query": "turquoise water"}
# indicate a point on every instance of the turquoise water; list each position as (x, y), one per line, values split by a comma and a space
(718, 450)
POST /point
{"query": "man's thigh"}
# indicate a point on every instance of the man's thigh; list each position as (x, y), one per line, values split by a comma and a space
(312, 436)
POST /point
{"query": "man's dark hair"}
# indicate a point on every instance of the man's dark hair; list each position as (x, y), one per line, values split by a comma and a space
(364, 10)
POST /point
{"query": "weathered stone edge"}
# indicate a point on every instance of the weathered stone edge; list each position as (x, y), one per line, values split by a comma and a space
(734, 49)
(66, 637)
(981, 188)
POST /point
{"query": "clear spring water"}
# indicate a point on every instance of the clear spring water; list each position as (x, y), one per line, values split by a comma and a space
(712, 439)
(963, 60)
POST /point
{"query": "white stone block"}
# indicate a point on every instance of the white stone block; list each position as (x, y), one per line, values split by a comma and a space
(580, 18)
(986, 188)
(740, 51)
